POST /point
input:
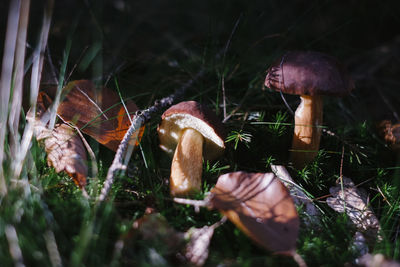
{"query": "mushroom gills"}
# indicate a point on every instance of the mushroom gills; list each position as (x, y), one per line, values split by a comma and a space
(187, 164)
(307, 131)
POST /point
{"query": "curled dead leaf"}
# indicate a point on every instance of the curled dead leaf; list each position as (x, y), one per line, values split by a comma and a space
(260, 205)
(196, 251)
(98, 112)
(66, 152)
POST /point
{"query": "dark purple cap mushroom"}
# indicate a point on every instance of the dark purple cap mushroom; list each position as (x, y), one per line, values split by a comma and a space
(310, 75)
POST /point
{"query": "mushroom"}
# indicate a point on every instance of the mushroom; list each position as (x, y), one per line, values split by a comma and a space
(310, 75)
(190, 132)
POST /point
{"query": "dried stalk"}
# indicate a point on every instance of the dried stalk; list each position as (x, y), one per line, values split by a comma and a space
(140, 119)
(5, 80)
(34, 88)
(13, 118)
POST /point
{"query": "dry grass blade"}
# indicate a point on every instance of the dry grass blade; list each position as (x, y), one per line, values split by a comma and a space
(261, 206)
(13, 119)
(5, 81)
(34, 89)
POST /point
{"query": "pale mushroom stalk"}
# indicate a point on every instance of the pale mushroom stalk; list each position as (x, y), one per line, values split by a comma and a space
(187, 164)
(307, 131)
(190, 133)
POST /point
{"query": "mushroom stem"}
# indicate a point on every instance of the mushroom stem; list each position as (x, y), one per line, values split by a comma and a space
(307, 133)
(187, 164)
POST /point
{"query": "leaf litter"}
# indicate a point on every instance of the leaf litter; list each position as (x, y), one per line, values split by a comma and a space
(259, 205)
(354, 202)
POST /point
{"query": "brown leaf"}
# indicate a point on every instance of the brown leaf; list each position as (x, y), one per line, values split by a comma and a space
(196, 251)
(371, 260)
(260, 205)
(66, 152)
(98, 112)
(354, 202)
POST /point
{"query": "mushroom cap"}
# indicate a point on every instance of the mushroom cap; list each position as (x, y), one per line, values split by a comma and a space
(309, 73)
(191, 114)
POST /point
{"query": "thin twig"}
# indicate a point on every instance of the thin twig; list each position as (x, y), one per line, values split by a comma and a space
(383, 195)
(341, 176)
(223, 64)
(51, 66)
(195, 203)
(140, 119)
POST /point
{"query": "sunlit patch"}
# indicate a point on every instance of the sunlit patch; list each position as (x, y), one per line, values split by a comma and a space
(174, 135)
(161, 131)
(166, 149)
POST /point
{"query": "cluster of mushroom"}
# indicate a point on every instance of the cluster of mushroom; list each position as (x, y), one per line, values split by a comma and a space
(191, 132)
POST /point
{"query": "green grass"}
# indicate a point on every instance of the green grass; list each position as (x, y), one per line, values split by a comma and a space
(146, 51)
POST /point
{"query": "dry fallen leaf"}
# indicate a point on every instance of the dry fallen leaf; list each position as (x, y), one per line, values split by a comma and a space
(377, 260)
(66, 152)
(98, 112)
(197, 248)
(354, 202)
(196, 251)
(260, 205)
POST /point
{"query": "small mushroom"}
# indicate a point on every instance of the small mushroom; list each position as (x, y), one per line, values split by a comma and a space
(310, 75)
(190, 132)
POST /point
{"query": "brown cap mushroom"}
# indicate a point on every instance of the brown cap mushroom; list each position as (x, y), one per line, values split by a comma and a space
(310, 75)
(189, 131)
